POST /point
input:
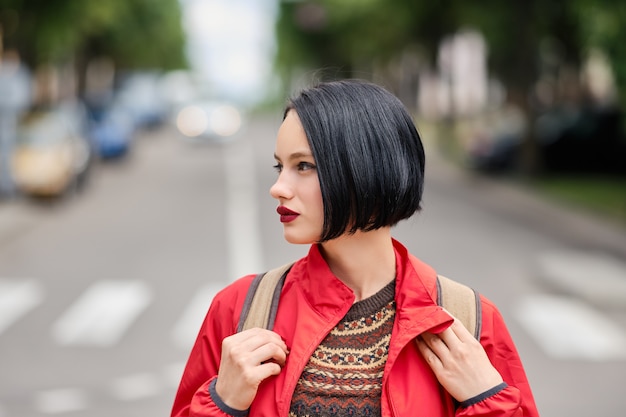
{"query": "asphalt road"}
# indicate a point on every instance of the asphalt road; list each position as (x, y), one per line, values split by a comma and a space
(101, 294)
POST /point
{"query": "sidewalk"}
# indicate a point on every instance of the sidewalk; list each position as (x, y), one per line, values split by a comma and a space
(593, 269)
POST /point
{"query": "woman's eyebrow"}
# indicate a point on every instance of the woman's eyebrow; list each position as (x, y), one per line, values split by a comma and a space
(296, 155)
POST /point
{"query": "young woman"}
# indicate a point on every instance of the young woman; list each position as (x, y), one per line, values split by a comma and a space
(358, 331)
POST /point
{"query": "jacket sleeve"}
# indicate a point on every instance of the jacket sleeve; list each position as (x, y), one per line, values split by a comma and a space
(193, 397)
(516, 400)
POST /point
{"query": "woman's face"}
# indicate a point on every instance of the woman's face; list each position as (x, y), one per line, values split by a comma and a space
(297, 188)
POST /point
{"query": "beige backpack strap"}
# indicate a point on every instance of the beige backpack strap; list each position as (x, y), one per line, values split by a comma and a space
(261, 303)
(462, 302)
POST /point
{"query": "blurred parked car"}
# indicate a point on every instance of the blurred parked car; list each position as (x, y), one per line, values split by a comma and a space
(111, 131)
(141, 96)
(52, 154)
(209, 121)
(568, 139)
(583, 140)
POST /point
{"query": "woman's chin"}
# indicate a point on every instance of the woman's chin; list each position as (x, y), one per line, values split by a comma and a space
(297, 239)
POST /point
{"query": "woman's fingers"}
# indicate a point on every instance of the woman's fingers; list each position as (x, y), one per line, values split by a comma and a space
(431, 357)
(459, 363)
(269, 353)
(248, 358)
(252, 339)
(253, 348)
(443, 345)
(461, 332)
(456, 339)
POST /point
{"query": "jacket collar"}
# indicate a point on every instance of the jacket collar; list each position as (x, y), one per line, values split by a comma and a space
(323, 290)
(416, 292)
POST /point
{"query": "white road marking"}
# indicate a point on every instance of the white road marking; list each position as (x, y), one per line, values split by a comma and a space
(243, 234)
(572, 269)
(60, 401)
(102, 314)
(136, 387)
(186, 329)
(16, 299)
(570, 329)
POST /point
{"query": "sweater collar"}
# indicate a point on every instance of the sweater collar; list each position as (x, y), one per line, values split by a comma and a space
(415, 283)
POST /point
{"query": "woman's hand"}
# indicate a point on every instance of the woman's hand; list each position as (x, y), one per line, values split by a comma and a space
(248, 358)
(459, 362)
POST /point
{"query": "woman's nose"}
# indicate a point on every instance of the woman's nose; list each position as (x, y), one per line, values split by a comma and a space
(281, 189)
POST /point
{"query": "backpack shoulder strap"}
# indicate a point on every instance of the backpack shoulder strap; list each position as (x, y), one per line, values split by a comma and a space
(462, 302)
(261, 302)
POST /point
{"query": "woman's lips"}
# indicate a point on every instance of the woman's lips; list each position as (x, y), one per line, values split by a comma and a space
(286, 215)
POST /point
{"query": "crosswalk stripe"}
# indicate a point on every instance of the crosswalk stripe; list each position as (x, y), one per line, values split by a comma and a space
(136, 386)
(567, 328)
(102, 314)
(16, 299)
(60, 401)
(187, 327)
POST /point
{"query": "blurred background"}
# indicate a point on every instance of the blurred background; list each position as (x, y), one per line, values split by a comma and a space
(136, 142)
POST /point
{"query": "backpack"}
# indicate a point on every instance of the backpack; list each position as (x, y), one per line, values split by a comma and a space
(261, 302)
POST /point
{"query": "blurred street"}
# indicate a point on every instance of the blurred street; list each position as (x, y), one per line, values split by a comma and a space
(102, 293)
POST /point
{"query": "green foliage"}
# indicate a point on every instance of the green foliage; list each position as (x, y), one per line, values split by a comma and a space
(518, 33)
(148, 35)
(602, 26)
(353, 31)
(134, 33)
(527, 40)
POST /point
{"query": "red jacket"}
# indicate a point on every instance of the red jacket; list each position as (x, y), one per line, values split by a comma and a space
(312, 302)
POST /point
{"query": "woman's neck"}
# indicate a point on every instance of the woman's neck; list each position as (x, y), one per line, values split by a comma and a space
(365, 261)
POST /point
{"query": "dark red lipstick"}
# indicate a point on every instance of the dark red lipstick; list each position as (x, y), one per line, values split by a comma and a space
(286, 215)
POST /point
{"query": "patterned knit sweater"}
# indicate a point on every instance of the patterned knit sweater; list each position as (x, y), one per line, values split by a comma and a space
(344, 375)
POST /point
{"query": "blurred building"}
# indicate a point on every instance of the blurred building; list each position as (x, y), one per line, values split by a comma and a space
(461, 85)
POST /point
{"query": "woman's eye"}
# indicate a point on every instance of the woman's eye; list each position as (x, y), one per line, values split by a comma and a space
(278, 168)
(305, 166)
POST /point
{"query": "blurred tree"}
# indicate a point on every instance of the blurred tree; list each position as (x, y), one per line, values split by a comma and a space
(144, 34)
(355, 37)
(132, 33)
(602, 26)
(305, 39)
(528, 40)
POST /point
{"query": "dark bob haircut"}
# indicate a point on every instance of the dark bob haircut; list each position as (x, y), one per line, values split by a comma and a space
(369, 155)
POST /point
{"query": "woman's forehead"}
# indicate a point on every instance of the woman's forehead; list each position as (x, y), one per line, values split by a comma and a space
(291, 137)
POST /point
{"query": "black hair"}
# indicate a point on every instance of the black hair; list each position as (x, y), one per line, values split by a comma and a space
(369, 155)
